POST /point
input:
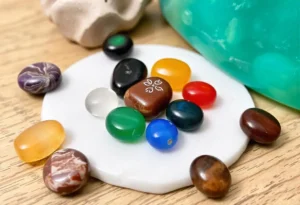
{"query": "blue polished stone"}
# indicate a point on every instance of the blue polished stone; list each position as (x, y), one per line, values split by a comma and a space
(186, 115)
(161, 134)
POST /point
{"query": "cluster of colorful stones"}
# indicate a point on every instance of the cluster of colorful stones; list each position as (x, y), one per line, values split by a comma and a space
(146, 98)
(66, 170)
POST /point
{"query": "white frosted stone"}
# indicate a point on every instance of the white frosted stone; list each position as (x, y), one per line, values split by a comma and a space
(139, 166)
(100, 101)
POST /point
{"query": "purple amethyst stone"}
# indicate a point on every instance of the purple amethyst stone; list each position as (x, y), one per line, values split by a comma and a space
(40, 78)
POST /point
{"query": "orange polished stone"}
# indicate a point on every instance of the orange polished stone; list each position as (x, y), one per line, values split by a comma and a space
(39, 141)
(176, 72)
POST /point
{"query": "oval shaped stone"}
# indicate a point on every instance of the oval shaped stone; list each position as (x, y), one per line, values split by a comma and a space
(210, 176)
(118, 46)
(176, 72)
(260, 126)
(66, 171)
(39, 78)
(39, 141)
(161, 134)
(150, 96)
(127, 72)
(201, 93)
(126, 124)
(185, 115)
(100, 101)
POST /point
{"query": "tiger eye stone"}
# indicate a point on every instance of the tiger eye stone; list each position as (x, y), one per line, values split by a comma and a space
(210, 176)
(39, 141)
(174, 71)
(150, 96)
(260, 126)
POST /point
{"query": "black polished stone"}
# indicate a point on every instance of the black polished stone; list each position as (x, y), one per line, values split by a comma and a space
(127, 72)
(186, 115)
(118, 46)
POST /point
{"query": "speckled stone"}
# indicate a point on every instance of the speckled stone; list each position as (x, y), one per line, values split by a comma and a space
(66, 171)
(40, 78)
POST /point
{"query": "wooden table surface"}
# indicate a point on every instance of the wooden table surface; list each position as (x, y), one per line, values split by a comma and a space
(263, 175)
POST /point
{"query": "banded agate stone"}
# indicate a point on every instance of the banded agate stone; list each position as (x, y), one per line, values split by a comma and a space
(66, 171)
(39, 141)
(255, 41)
(40, 78)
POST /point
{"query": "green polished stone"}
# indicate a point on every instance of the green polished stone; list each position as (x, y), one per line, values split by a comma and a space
(255, 41)
(126, 124)
(117, 40)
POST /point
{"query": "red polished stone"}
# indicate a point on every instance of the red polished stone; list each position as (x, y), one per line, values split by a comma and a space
(210, 176)
(66, 171)
(200, 93)
(260, 126)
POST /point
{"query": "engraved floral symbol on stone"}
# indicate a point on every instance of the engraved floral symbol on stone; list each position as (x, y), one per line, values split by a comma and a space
(151, 86)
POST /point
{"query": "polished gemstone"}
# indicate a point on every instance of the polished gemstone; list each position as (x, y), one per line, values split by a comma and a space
(126, 124)
(255, 41)
(66, 171)
(39, 141)
(118, 46)
(176, 72)
(100, 101)
(161, 134)
(150, 96)
(186, 115)
(40, 78)
(260, 126)
(210, 176)
(201, 93)
(128, 72)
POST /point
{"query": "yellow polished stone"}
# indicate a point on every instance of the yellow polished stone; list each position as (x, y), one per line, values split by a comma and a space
(176, 72)
(39, 141)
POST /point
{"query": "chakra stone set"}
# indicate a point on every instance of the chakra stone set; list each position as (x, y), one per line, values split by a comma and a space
(146, 99)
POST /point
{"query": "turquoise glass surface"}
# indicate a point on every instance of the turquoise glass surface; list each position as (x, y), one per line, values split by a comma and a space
(255, 41)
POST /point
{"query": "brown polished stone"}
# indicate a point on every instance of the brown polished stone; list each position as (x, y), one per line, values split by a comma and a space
(210, 176)
(260, 126)
(66, 171)
(150, 96)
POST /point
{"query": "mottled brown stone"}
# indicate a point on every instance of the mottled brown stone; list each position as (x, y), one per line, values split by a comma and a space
(150, 96)
(66, 171)
(210, 176)
(260, 126)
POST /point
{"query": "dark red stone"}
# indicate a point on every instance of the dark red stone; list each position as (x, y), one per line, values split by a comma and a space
(260, 126)
(66, 171)
(210, 176)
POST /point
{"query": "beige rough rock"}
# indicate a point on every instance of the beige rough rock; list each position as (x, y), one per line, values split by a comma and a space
(90, 22)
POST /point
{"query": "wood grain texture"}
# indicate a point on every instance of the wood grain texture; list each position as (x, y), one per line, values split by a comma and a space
(263, 175)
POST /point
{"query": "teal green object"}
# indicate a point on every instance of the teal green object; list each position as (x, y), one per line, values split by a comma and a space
(255, 41)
